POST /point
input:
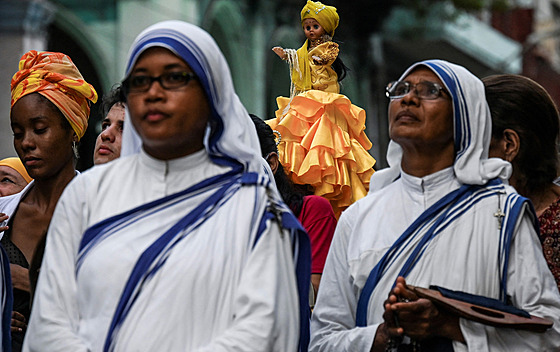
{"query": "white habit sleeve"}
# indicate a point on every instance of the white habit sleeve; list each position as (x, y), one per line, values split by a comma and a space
(333, 324)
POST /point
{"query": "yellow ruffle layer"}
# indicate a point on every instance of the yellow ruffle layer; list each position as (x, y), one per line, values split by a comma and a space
(324, 145)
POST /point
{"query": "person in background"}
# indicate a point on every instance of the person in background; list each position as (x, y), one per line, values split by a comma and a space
(525, 127)
(438, 215)
(50, 105)
(108, 142)
(185, 245)
(13, 176)
(313, 212)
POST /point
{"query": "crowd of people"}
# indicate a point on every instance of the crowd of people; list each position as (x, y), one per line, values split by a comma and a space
(196, 231)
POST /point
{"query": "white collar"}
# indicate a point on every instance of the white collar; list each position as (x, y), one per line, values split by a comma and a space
(184, 163)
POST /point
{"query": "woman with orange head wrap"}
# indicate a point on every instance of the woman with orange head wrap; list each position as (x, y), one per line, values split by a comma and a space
(323, 140)
(50, 108)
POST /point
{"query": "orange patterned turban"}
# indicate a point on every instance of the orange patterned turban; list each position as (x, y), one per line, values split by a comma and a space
(54, 76)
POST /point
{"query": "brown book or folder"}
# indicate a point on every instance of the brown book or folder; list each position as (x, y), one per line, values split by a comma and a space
(482, 314)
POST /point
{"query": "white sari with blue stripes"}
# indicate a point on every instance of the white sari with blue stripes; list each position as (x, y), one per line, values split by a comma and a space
(465, 253)
(193, 254)
(223, 284)
(444, 230)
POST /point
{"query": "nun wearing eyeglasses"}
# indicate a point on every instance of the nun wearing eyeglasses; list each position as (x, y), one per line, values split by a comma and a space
(184, 244)
(441, 214)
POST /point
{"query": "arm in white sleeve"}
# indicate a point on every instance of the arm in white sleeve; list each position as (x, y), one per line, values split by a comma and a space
(54, 320)
(532, 288)
(266, 306)
(333, 324)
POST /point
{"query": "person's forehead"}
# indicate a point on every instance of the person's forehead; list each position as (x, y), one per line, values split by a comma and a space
(310, 21)
(8, 171)
(422, 73)
(158, 56)
(116, 113)
(41, 107)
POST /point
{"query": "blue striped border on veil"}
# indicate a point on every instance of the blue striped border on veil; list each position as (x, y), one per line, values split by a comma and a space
(463, 135)
(189, 51)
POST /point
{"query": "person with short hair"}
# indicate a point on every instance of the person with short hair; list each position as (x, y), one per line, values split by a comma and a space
(108, 142)
(13, 176)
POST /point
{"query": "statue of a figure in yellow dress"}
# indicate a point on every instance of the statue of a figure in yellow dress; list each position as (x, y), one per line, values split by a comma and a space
(323, 143)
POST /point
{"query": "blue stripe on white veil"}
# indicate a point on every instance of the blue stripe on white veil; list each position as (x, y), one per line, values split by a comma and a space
(472, 130)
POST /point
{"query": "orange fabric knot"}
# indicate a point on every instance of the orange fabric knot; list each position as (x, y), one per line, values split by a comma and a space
(54, 76)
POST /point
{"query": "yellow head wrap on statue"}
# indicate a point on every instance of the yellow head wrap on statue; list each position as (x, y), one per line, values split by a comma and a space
(325, 15)
(328, 19)
(54, 76)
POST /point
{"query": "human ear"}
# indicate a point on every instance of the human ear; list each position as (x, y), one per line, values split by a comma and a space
(511, 144)
(273, 162)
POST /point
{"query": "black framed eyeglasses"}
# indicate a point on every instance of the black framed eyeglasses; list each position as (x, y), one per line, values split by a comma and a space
(424, 90)
(168, 80)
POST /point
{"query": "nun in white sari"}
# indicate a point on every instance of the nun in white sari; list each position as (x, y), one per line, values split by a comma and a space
(184, 245)
(442, 214)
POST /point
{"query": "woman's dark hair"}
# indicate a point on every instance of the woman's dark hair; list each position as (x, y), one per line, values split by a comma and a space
(521, 104)
(339, 67)
(291, 194)
(115, 96)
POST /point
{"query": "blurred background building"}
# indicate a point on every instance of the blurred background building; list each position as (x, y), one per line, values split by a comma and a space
(378, 40)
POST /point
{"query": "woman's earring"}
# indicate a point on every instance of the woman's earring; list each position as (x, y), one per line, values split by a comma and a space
(278, 138)
(75, 149)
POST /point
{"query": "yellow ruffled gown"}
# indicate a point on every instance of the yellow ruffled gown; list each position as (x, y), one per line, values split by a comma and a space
(323, 143)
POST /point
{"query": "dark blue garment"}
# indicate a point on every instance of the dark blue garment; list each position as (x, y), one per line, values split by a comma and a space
(7, 304)
(481, 301)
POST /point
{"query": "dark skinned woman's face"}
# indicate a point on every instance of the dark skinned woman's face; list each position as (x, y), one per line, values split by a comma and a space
(418, 121)
(170, 122)
(42, 140)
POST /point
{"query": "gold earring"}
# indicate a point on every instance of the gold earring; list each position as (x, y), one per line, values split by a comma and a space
(278, 137)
